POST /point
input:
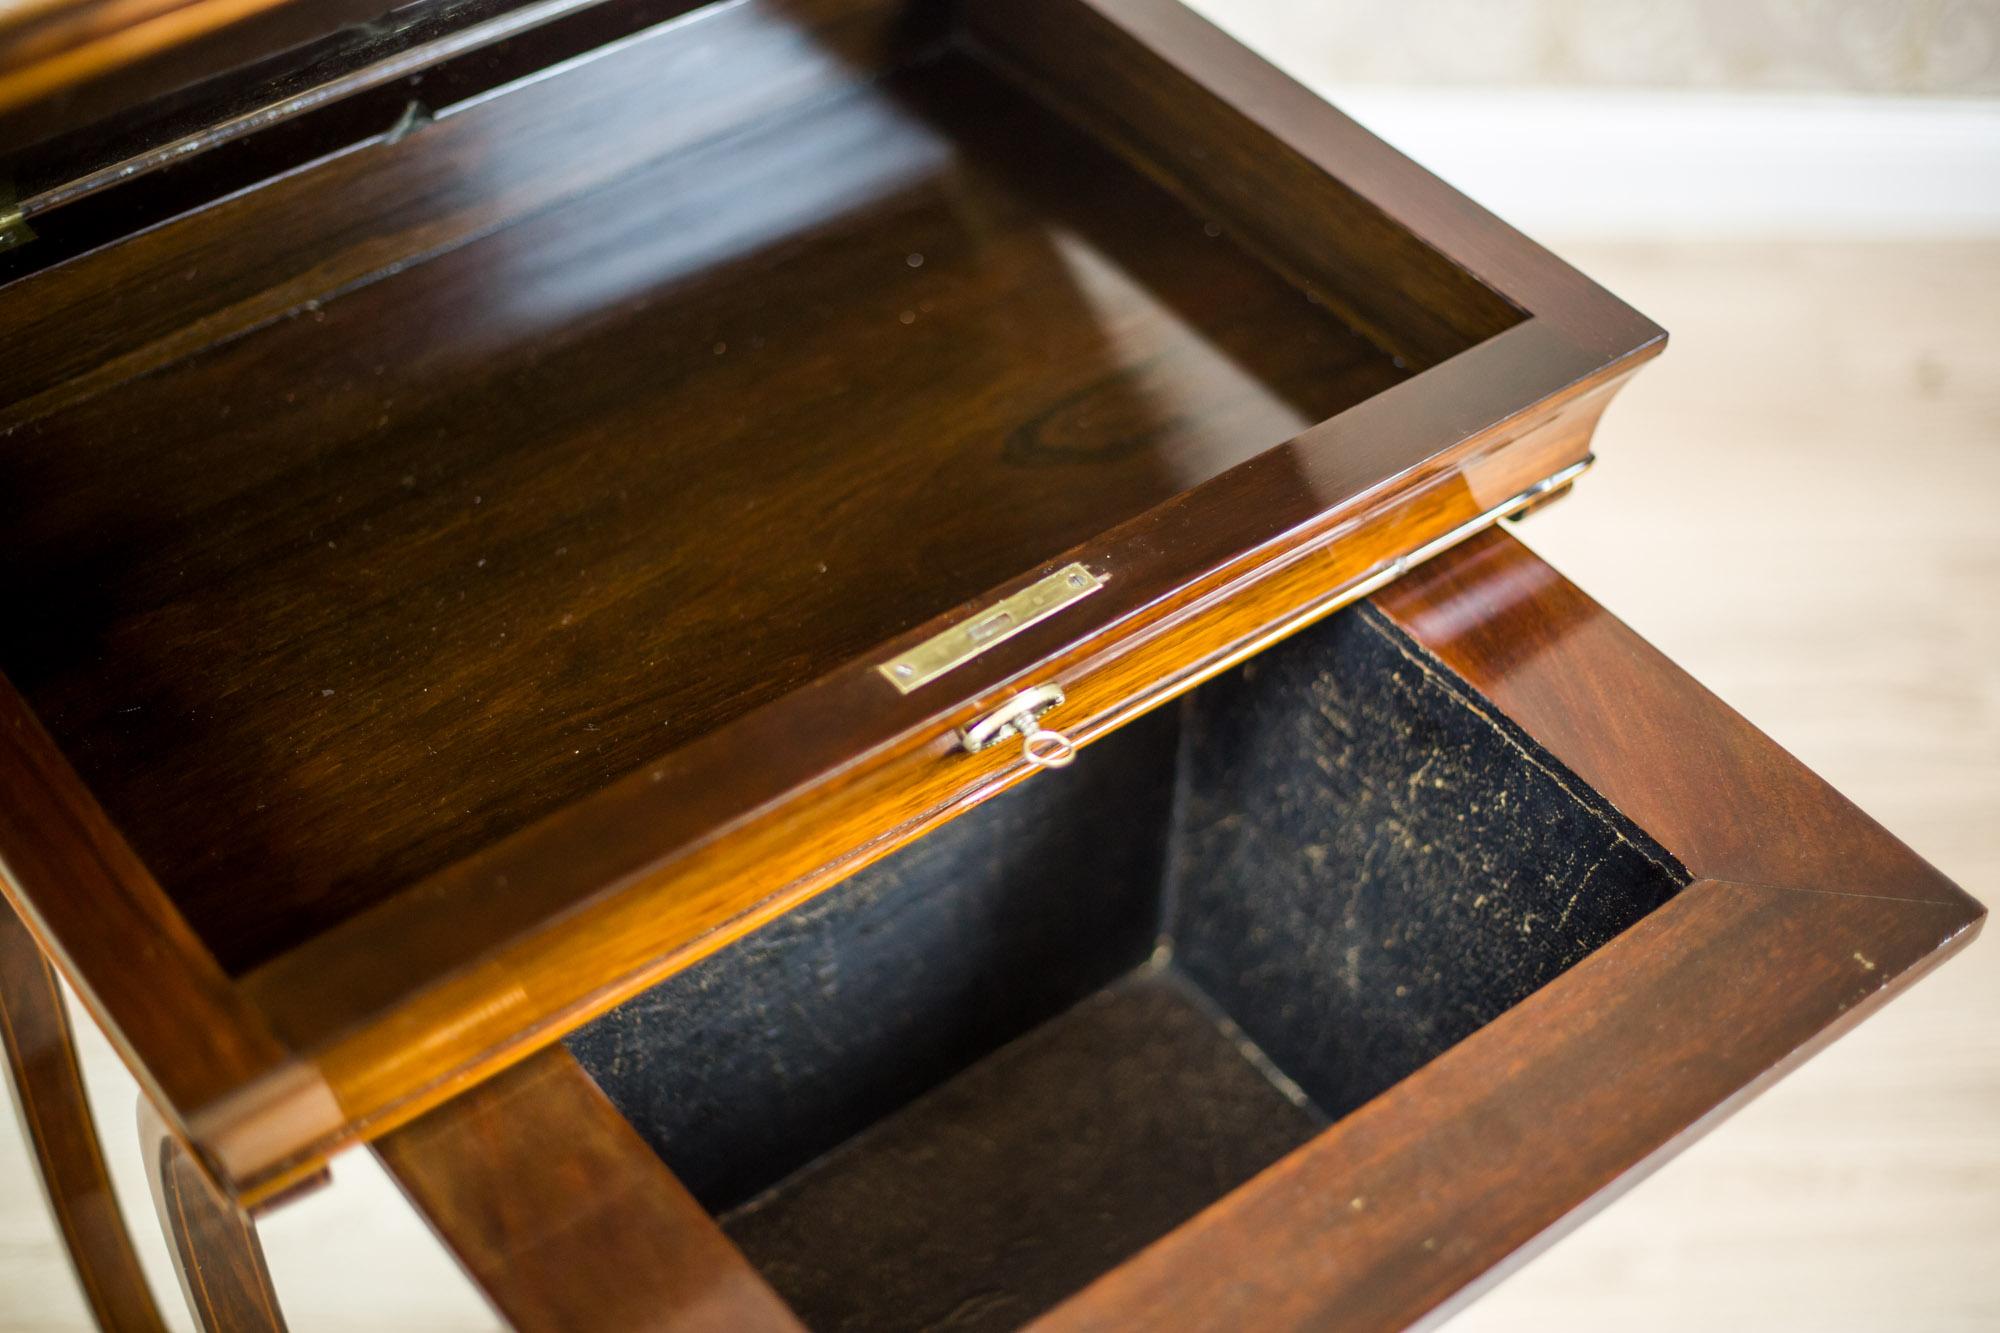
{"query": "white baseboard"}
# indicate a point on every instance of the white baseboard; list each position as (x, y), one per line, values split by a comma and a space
(1593, 163)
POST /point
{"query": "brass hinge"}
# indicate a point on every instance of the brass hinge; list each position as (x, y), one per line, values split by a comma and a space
(995, 625)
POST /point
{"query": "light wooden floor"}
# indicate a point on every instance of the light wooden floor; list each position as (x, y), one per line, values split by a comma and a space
(1798, 504)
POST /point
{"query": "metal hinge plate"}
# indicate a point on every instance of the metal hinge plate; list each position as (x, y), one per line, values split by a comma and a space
(995, 625)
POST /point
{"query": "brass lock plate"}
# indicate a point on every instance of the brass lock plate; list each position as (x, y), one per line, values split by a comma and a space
(998, 623)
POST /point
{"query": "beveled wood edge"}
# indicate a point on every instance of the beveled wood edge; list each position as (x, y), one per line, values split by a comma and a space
(1157, 106)
(1315, 497)
(564, 1218)
(433, 1028)
(1407, 1208)
(327, 245)
(1402, 1209)
(1516, 1133)
(1500, 257)
(1724, 799)
(190, 1038)
(1504, 260)
(417, 1036)
(385, 1057)
(61, 1135)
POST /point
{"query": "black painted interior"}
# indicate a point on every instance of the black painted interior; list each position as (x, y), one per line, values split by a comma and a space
(954, 1089)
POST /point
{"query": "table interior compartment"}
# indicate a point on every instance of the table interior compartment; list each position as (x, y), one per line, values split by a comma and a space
(963, 1083)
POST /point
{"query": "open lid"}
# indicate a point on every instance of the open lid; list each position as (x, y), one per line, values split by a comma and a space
(479, 555)
(96, 92)
(84, 83)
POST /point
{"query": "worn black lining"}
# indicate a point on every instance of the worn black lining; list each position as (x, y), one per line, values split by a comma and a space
(958, 1086)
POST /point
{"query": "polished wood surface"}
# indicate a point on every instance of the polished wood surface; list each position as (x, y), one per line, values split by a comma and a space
(1456, 1170)
(65, 64)
(455, 560)
(566, 1219)
(189, 1035)
(1405, 1208)
(346, 86)
(1855, 1193)
(103, 295)
(1860, 1191)
(501, 957)
(312, 654)
(1714, 790)
(213, 1241)
(1098, 63)
(56, 1122)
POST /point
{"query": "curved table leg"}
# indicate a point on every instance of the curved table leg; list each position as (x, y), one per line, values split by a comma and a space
(55, 1118)
(214, 1242)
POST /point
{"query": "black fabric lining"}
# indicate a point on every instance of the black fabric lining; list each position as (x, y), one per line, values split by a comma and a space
(1123, 988)
(1585, 795)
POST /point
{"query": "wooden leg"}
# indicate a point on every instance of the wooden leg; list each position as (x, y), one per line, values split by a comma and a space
(55, 1119)
(214, 1242)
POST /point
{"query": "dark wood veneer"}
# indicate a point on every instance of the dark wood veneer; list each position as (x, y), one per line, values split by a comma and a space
(1468, 1166)
(47, 1084)
(385, 198)
(1725, 800)
(451, 552)
(1417, 1202)
(67, 64)
(453, 521)
(1406, 1207)
(439, 425)
(565, 1218)
(211, 1239)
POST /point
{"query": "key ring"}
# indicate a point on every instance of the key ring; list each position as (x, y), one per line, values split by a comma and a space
(1048, 749)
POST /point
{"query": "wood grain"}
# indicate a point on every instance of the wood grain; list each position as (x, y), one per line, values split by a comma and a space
(193, 1041)
(565, 1217)
(55, 1120)
(435, 578)
(1088, 59)
(127, 298)
(1278, 163)
(1858, 1193)
(212, 1240)
(1405, 1207)
(345, 87)
(429, 834)
(1706, 1001)
(1864, 1191)
(68, 63)
(448, 1001)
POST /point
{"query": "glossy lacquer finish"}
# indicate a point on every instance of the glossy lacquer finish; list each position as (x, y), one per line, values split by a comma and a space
(1485, 1146)
(450, 572)
(1804, 916)
(452, 518)
(66, 63)
(539, 1152)
(339, 602)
